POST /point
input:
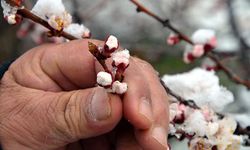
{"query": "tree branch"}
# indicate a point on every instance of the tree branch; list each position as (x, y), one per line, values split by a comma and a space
(29, 15)
(211, 55)
(166, 23)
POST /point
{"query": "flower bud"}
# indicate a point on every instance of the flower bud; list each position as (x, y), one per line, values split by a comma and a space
(119, 88)
(111, 44)
(121, 59)
(173, 39)
(104, 79)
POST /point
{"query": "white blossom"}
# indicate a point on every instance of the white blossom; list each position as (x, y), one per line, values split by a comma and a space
(119, 88)
(200, 144)
(201, 86)
(225, 140)
(212, 128)
(78, 30)
(54, 12)
(104, 79)
(121, 57)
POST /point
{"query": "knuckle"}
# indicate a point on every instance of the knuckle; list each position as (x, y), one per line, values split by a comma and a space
(68, 114)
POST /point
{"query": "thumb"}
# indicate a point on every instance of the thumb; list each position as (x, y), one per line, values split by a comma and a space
(85, 113)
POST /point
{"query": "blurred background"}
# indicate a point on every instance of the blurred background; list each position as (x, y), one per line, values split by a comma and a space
(146, 38)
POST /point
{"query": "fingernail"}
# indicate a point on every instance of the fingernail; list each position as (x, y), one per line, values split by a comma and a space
(99, 108)
(145, 108)
(160, 135)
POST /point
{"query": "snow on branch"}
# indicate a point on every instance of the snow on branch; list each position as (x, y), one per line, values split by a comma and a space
(181, 36)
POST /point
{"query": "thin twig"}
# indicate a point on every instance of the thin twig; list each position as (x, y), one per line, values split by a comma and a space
(180, 99)
(25, 13)
(29, 15)
(166, 23)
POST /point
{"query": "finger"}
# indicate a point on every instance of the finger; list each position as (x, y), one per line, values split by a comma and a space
(67, 117)
(156, 137)
(67, 66)
(90, 112)
(137, 100)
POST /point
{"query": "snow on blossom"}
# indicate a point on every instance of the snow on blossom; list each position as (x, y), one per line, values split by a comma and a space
(119, 88)
(104, 79)
(111, 44)
(201, 86)
(78, 30)
(196, 123)
(9, 12)
(202, 133)
(204, 36)
(57, 16)
(121, 58)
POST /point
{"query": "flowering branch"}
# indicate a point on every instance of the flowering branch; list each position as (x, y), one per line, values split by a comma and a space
(29, 15)
(179, 115)
(112, 80)
(211, 55)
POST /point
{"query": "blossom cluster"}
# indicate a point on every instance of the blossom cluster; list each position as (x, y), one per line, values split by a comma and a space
(112, 80)
(204, 128)
(57, 17)
(204, 41)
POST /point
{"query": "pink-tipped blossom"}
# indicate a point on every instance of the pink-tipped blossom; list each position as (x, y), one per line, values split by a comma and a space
(198, 50)
(121, 59)
(111, 44)
(188, 57)
(173, 39)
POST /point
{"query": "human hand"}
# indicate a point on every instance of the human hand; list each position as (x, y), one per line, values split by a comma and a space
(48, 101)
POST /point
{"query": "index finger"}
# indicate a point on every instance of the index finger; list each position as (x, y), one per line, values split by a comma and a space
(70, 65)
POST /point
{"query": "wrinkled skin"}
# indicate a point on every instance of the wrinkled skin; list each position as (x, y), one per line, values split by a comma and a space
(49, 101)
